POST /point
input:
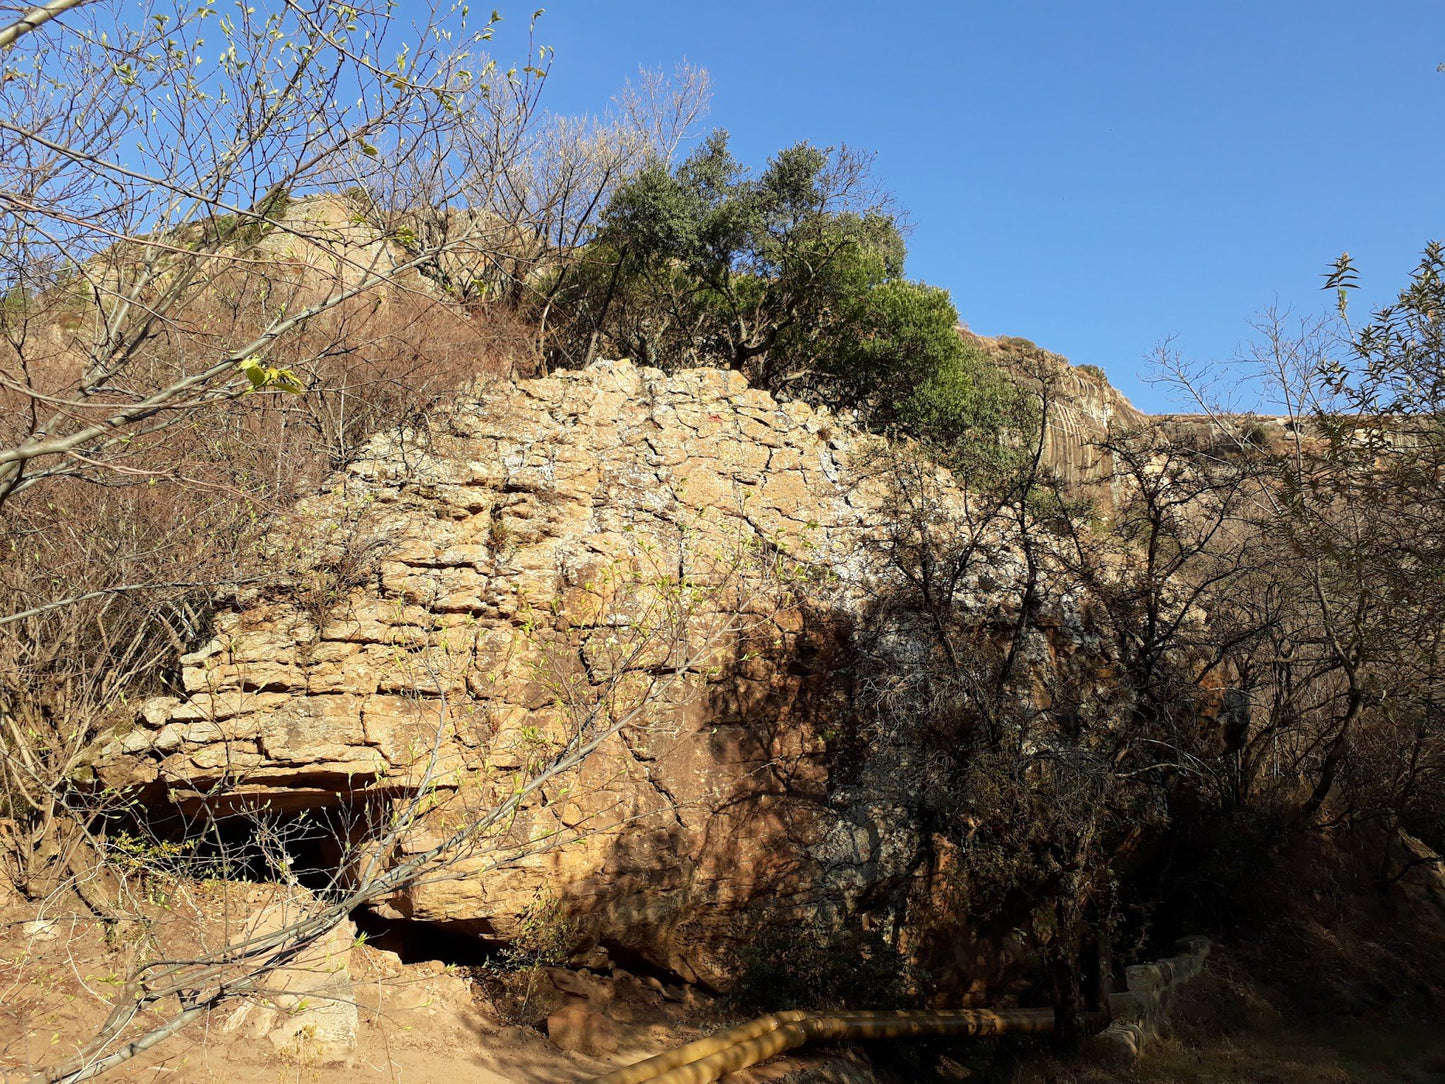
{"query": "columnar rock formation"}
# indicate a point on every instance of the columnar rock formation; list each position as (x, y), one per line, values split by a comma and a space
(1084, 412)
(464, 597)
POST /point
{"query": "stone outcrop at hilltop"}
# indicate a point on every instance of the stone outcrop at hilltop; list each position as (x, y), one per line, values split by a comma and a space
(461, 594)
(1084, 411)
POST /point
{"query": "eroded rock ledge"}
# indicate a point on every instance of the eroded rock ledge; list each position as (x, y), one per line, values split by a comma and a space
(463, 590)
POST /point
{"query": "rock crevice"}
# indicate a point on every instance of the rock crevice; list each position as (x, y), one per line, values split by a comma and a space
(464, 594)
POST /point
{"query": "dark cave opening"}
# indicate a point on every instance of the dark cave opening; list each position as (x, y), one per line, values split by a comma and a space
(316, 847)
(310, 846)
(414, 942)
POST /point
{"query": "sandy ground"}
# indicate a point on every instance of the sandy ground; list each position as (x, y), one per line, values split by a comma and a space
(419, 1023)
(427, 1023)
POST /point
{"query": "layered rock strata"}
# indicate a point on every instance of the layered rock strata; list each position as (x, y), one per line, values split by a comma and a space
(467, 597)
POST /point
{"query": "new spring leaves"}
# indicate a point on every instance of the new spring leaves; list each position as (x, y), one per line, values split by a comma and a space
(262, 375)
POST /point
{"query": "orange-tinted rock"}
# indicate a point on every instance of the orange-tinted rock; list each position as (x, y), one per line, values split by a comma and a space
(538, 550)
(578, 1029)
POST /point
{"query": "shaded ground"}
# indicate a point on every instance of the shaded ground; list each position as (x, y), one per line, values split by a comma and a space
(1343, 1052)
(421, 1022)
(1342, 992)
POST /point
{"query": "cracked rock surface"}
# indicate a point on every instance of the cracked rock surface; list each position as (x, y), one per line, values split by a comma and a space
(451, 608)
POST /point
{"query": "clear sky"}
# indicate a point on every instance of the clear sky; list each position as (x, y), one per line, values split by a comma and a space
(1093, 176)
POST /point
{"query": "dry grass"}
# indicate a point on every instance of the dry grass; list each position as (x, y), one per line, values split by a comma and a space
(187, 508)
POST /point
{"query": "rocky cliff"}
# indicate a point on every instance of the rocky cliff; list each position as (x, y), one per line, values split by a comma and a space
(681, 553)
(1085, 411)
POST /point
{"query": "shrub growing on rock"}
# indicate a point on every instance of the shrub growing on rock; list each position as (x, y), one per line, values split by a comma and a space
(792, 277)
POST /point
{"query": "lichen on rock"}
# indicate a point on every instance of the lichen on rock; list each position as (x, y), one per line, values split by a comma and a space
(465, 592)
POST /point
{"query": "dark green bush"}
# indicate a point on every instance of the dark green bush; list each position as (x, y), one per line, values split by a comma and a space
(793, 277)
(971, 415)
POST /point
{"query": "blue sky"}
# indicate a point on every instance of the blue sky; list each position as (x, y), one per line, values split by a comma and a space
(1092, 176)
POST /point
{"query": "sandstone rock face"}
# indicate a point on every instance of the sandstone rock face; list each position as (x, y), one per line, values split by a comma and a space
(1084, 411)
(680, 551)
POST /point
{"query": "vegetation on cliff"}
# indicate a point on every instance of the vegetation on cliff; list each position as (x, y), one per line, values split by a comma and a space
(1060, 716)
(793, 277)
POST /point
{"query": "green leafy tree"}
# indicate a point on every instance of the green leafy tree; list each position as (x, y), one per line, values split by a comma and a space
(905, 367)
(706, 265)
(792, 277)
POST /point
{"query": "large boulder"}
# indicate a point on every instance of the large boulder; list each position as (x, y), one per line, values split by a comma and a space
(539, 559)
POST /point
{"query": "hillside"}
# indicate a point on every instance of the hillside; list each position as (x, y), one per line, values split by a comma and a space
(494, 595)
(645, 671)
(719, 574)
